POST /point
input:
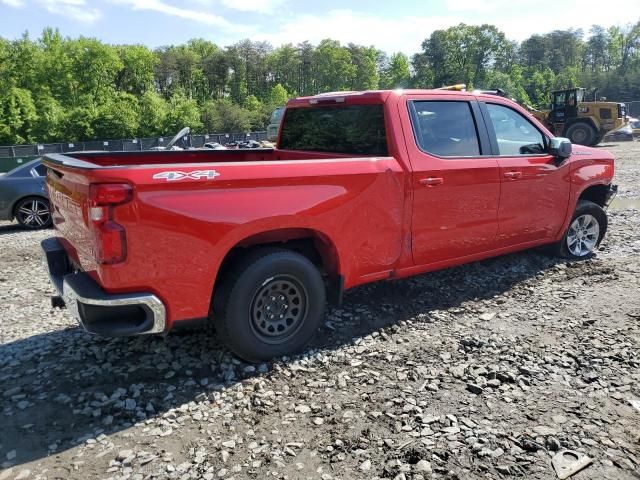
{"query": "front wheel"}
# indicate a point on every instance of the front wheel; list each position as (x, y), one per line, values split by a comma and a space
(582, 133)
(586, 230)
(271, 305)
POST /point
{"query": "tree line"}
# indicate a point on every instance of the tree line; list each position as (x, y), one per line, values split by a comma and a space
(55, 88)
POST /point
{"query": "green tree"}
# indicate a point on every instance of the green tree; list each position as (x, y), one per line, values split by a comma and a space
(50, 118)
(333, 67)
(79, 121)
(364, 59)
(395, 72)
(222, 116)
(17, 115)
(153, 114)
(182, 112)
(118, 117)
(137, 73)
(94, 68)
(278, 96)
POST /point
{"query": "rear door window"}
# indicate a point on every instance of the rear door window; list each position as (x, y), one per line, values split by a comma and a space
(445, 128)
(345, 129)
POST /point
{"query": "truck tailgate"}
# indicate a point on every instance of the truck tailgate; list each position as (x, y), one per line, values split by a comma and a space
(68, 192)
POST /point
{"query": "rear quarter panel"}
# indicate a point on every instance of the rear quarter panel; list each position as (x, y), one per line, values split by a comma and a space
(178, 232)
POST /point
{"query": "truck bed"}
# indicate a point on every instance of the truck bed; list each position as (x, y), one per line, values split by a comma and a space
(189, 208)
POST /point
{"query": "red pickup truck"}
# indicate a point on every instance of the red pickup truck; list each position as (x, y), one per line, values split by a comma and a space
(363, 186)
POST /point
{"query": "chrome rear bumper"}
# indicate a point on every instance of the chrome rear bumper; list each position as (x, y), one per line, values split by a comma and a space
(113, 315)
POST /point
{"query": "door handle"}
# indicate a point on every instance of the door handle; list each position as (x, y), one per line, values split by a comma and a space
(513, 175)
(431, 181)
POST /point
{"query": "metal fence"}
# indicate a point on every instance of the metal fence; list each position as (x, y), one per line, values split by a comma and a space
(127, 145)
(12, 156)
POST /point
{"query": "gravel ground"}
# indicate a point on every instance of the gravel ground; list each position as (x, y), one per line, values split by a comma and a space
(482, 371)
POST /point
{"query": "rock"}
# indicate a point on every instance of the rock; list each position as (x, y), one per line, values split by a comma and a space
(473, 388)
(544, 430)
(422, 466)
(553, 443)
(10, 392)
(11, 454)
(529, 444)
(302, 409)
(365, 466)
(124, 454)
(23, 475)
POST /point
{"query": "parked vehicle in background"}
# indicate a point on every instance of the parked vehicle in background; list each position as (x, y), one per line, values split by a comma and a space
(635, 126)
(23, 196)
(244, 144)
(214, 146)
(624, 134)
(274, 124)
(363, 186)
(581, 121)
(172, 143)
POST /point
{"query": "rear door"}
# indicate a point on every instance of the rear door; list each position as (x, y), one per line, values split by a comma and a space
(456, 188)
(535, 186)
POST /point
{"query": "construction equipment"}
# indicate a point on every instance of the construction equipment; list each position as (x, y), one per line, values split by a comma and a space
(582, 122)
(274, 124)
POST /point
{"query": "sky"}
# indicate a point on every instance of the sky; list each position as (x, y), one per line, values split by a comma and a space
(391, 25)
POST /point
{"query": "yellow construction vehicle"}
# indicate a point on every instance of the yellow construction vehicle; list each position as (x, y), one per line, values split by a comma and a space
(583, 122)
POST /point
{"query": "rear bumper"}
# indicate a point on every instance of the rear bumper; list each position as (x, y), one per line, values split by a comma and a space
(113, 315)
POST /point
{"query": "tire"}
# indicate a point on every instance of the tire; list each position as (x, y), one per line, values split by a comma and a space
(270, 305)
(598, 139)
(581, 133)
(33, 213)
(586, 230)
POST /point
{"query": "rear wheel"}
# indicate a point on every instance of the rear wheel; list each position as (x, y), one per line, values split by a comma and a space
(586, 230)
(33, 213)
(582, 133)
(271, 305)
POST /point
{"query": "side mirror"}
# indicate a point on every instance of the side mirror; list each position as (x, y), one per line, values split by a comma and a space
(560, 147)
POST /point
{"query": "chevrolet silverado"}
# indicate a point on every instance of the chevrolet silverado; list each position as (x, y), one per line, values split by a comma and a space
(362, 187)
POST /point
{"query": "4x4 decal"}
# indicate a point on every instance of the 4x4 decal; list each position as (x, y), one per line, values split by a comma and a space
(195, 175)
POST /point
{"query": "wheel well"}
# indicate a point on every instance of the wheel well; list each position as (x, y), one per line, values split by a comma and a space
(309, 243)
(596, 194)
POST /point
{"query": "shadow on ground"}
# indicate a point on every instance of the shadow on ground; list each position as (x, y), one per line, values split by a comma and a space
(64, 387)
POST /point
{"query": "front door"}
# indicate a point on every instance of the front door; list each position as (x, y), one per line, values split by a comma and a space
(535, 186)
(456, 189)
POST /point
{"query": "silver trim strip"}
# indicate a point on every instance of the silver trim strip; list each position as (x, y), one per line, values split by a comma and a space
(154, 304)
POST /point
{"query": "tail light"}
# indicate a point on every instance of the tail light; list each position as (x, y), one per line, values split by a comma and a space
(109, 236)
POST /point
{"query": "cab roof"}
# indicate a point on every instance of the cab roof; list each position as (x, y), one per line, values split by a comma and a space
(378, 96)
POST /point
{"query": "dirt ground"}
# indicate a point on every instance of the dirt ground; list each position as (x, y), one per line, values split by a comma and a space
(482, 371)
